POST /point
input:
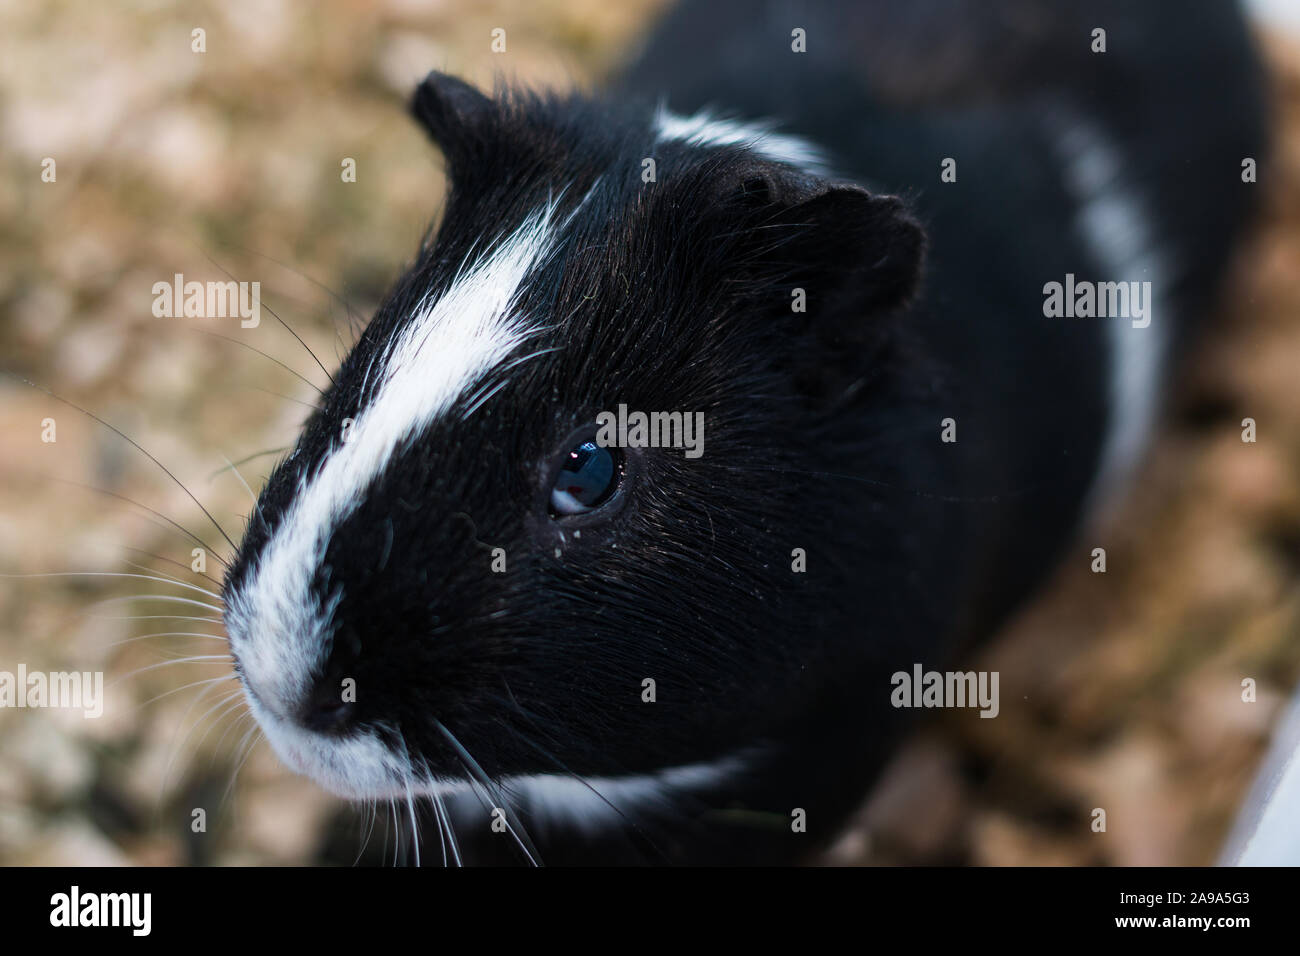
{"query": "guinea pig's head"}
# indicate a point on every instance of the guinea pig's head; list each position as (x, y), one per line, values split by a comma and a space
(454, 566)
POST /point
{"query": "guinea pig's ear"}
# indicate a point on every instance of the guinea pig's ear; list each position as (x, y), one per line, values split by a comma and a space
(853, 252)
(454, 114)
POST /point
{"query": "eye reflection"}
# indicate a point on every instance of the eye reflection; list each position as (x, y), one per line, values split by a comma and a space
(587, 479)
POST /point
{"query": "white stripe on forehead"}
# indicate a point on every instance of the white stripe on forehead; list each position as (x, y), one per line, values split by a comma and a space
(450, 344)
(703, 129)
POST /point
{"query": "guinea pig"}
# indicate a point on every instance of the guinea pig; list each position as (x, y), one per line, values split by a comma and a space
(475, 586)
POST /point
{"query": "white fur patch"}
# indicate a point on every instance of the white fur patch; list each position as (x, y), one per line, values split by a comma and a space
(1267, 831)
(1112, 220)
(594, 804)
(703, 129)
(451, 344)
(358, 766)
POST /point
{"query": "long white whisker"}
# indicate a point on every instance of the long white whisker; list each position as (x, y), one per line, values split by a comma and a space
(451, 834)
(238, 722)
(442, 838)
(410, 800)
(196, 659)
(160, 598)
(148, 570)
(177, 748)
(159, 557)
(415, 828)
(255, 733)
(118, 574)
(257, 507)
(397, 832)
(177, 690)
(144, 637)
(521, 837)
(227, 707)
(155, 617)
(372, 812)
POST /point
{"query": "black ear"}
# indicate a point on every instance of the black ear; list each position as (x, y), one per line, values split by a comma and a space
(852, 251)
(454, 114)
(826, 260)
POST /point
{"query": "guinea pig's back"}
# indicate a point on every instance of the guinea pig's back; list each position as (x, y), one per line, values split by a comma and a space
(1032, 156)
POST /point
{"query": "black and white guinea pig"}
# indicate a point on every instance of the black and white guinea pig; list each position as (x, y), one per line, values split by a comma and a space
(563, 650)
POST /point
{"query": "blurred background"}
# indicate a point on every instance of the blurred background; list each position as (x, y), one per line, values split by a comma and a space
(227, 163)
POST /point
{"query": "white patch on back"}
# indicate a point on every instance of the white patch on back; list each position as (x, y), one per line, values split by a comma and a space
(703, 129)
(594, 803)
(449, 345)
(591, 805)
(1113, 222)
(1267, 831)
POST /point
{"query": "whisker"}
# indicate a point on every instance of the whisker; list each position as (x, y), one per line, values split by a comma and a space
(127, 438)
(415, 829)
(145, 637)
(158, 514)
(183, 567)
(175, 748)
(154, 617)
(238, 722)
(116, 574)
(225, 707)
(525, 738)
(410, 800)
(353, 317)
(197, 659)
(257, 506)
(442, 837)
(521, 837)
(485, 798)
(247, 458)
(372, 812)
(254, 732)
(451, 834)
(148, 570)
(275, 315)
(288, 398)
(222, 739)
(177, 690)
(209, 688)
(233, 468)
(589, 786)
(397, 833)
(252, 348)
(160, 598)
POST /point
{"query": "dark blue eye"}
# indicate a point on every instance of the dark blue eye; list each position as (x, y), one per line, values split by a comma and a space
(587, 479)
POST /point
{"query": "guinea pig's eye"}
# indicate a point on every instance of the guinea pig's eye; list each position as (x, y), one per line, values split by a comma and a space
(588, 477)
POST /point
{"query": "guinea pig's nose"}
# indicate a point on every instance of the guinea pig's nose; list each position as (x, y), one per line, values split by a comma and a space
(325, 710)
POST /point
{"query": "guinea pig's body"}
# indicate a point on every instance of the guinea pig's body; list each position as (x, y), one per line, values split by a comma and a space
(694, 665)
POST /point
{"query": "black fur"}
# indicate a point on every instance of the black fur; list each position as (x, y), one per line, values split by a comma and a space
(822, 428)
